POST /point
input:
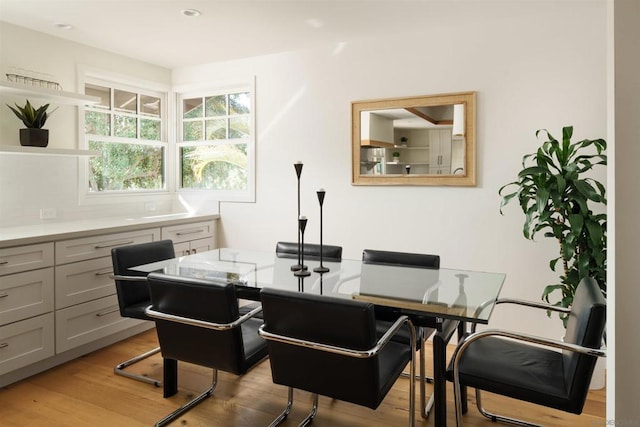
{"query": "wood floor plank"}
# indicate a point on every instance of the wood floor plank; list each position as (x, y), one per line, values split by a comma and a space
(86, 392)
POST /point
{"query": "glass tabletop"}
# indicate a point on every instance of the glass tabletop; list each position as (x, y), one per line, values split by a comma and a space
(446, 293)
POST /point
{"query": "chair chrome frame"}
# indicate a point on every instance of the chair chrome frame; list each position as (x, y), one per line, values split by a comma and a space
(201, 324)
(119, 369)
(457, 356)
(362, 354)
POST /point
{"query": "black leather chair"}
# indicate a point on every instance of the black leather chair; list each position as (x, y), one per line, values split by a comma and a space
(426, 325)
(530, 368)
(330, 253)
(133, 292)
(199, 322)
(329, 346)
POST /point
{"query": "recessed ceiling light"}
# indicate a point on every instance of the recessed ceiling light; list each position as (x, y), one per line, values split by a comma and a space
(191, 12)
(62, 26)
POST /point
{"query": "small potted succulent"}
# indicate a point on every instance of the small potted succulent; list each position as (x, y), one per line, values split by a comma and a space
(34, 119)
(403, 141)
(396, 156)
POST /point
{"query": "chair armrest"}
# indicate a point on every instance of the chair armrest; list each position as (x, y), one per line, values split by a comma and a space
(460, 349)
(362, 354)
(128, 278)
(526, 303)
(201, 323)
(534, 304)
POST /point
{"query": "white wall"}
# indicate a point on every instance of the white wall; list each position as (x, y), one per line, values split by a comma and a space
(624, 346)
(29, 183)
(533, 64)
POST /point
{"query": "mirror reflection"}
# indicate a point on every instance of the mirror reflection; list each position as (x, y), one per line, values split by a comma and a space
(425, 140)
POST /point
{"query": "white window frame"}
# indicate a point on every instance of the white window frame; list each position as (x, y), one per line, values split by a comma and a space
(197, 91)
(119, 81)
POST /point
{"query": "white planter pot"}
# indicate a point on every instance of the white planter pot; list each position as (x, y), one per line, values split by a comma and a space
(598, 380)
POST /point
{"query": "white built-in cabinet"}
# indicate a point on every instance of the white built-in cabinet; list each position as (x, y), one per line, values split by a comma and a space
(26, 305)
(440, 151)
(191, 238)
(58, 297)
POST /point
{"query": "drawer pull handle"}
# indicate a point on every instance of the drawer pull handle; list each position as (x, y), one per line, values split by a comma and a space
(103, 273)
(4, 345)
(4, 262)
(184, 233)
(4, 295)
(104, 313)
(128, 242)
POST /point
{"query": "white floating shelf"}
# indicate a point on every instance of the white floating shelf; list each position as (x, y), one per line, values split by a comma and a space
(45, 151)
(55, 96)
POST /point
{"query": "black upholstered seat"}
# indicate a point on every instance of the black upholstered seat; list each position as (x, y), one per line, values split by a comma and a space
(133, 291)
(310, 250)
(199, 322)
(524, 370)
(329, 346)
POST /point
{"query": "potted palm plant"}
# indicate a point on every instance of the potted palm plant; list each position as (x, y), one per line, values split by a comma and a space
(559, 200)
(34, 119)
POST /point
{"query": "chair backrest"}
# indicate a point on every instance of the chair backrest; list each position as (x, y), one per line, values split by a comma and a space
(405, 259)
(400, 259)
(327, 320)
(330, 253)
(125, 257)
(207, 301)
(585, 327)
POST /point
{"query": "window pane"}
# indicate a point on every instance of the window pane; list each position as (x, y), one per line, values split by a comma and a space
(124, 126)
(219, 167)
(150, 105)
(192, 108)
(97, 123)
(216, 106)
(239, 127)
(125, 101)
(192, 131)
(150, 129)
(126, 167)
(216, 129)
(104, 93)
(239, 103)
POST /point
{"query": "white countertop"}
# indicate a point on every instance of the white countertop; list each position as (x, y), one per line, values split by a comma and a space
(48, 231)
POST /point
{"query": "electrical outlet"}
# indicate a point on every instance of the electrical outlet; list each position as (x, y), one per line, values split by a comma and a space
(150, 206)
(48, 213)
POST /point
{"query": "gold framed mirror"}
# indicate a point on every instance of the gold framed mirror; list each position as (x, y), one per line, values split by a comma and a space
(421, 140)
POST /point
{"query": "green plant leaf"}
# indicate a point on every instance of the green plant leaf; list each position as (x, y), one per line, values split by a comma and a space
(556, 199)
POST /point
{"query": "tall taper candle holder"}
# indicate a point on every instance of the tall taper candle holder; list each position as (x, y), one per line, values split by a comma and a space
(322, 268)
(300, 265)
(303, 272)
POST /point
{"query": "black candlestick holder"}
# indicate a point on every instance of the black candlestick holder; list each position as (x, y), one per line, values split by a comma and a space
(302, 272)
(300, 265)
(321, 268)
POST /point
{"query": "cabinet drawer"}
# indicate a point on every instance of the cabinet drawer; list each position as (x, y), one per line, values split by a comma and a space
(201, 245)
(84, 281)
(186, 232)
(100, 246)
(26, 295)
(83, 323)
(24, 258)
(26, 342)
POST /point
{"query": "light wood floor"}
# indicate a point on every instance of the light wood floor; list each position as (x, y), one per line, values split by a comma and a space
(85, 392)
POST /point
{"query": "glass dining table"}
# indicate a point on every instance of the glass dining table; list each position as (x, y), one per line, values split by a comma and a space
(432, 294)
